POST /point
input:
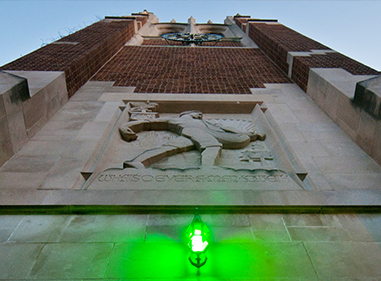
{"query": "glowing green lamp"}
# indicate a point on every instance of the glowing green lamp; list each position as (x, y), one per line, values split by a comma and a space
(198, 236)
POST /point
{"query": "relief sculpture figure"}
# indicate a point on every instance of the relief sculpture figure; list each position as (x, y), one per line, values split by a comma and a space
(195, 132)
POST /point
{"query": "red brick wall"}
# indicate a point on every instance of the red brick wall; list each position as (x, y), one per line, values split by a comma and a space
(95, 45)
(276, 40)
(302, 65)
(190, 70)
(142, 19)
(241, 21)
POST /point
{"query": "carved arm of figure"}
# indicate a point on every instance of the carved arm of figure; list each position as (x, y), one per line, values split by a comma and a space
(129, 130)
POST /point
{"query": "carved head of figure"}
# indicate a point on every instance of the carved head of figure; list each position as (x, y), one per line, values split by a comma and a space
(143, 107)
(193, 114)
(253, 135)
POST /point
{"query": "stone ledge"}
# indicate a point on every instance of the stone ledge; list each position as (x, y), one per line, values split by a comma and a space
(144, 209)
(94, 201)
(28, 99)
(353, 103)
(368, 96)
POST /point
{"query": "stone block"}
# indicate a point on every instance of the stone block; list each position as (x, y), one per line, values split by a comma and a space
(268, 227)
(347, 164)
(130, 260)
(92, 130)
(319, 180)
(11, 196)
(52, 106)
(32, 131)
(45, 147)
(17, 130)
(7, 226)
(16, 260)
(6, 147)
(3, 112)
(282, 113)
(34, 109)
(77, 110)
(365, 133)
(306, 220)
(291, 132)
(4, 234)
(349, 131)
(59, 130)
(368, 96)
(355, 227)
(354, 181)
(165, 234)
(30, 164)
(14, 94)
(331, 102)
(105, 228)
(235, 234)
(308, 148)
(348, 113)
(316, 233)
(72, 261)
(376, 149)
(322, 132)
(64, 173)
(40, 229)
(311, 114)
(342, 148)
(372, 223)
(107, 112)
(355, 259)
(226, 220)
(21, 180)
(169, 220)
(79, 148)
(266, 260)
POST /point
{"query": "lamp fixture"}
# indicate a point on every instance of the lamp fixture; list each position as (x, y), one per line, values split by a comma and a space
(198, 236)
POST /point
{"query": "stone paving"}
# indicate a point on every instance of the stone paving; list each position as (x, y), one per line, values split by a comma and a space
(152, 247)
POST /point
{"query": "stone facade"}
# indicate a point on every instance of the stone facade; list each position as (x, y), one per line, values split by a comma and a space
(111, 137)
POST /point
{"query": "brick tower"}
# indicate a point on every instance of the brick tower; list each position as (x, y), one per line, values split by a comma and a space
(274, 137)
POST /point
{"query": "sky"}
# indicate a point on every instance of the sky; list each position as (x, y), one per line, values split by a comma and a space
(349, 27)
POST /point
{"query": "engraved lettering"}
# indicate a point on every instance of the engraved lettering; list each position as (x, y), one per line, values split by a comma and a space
(272, 179)
(101, 177)
(135, 178)
(160, 178)
(189, 178)
(147, 178)
(179, 178)
(169, 178)
(200, 178)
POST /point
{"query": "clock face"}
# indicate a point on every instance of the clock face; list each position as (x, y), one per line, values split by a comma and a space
(188, 38)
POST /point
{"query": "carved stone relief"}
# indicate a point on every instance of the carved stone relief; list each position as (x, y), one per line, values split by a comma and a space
(199, 152)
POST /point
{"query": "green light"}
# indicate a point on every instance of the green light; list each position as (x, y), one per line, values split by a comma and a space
(198, 235)
(197, 243)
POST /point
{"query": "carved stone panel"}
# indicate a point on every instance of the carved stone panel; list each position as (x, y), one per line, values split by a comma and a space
(152, 150)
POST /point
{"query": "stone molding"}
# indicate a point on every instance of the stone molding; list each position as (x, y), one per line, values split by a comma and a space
(333, 90)
(26, 104)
